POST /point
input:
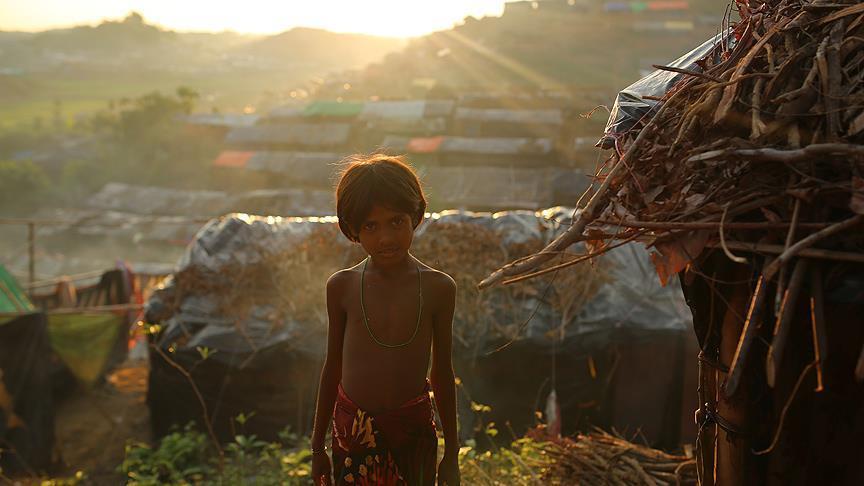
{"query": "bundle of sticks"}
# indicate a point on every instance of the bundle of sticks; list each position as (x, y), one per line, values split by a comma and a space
(600, 458)
(758, 151)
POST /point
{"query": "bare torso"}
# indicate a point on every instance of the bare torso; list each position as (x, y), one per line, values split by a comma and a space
(375, 377)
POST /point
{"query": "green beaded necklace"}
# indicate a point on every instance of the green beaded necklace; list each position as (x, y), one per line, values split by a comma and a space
(366, 321)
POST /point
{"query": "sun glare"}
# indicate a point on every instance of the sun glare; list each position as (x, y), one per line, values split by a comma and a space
(396, 18)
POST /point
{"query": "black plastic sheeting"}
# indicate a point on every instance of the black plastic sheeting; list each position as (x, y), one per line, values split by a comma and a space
(24, 358)
(630, 105)
(274, 385)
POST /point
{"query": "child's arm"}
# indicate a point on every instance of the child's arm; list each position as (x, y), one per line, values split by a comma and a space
(331, 375)
(443, 380)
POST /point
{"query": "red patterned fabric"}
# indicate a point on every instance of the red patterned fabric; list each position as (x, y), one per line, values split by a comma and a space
(394, 448)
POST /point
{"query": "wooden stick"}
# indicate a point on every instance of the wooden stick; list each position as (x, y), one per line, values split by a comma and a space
(817, 323)
(859, 368)
(790, 236)
(588, 214)
(688, 73)
(777, 155)
(708, 225)
(745, 342)
(783, 322)
(805, 243)
(842, 256)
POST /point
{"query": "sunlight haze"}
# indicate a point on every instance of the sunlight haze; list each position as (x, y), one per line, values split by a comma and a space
(400, 18)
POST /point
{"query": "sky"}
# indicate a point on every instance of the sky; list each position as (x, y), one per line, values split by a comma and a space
(399, 18)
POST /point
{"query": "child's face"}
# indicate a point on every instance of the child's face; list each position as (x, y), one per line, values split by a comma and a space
(386, 235)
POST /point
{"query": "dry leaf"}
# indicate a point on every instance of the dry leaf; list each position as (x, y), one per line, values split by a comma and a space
(673, 256)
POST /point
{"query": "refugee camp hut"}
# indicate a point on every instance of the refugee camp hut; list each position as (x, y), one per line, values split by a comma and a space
(151, 200)
(89, 325)
(331, 111)
(421, 118)
(762, 226)
(26, 397)
(217, 125)
(290, 136)
(503, 122)
(497, 152)
(251, 345)
(243, 315)
(283, 114)
(500, 188)
(302, 170)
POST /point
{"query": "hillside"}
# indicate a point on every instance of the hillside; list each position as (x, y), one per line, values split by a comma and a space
(85, 67)
(570, 46)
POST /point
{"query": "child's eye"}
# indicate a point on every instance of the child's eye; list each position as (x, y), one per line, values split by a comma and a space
(398, 222)
(369, 226)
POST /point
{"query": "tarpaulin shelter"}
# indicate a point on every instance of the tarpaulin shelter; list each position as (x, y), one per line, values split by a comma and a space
(121, 197)
(332, 109)
(87, 342)
(26, 402)
(498, 188)
(501, 122)
(244, 315)
(289, 135)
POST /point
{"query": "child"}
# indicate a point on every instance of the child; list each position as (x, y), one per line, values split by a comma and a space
(387, 316)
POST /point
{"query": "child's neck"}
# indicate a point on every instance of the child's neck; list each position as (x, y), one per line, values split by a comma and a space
(392, 268)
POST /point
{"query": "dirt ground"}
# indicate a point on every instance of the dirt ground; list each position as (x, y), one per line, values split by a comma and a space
(93, 425)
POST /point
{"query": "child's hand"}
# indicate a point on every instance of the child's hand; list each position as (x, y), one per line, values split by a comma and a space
(322, 469)
(448, 470)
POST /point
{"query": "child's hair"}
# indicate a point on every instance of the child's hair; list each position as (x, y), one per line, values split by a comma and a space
(377, 179)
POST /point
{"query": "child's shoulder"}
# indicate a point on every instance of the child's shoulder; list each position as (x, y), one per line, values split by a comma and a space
(344, 276)
(438, 279)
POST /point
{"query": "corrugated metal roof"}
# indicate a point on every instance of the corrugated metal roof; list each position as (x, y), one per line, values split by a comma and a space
(305, 134)
(502, 146)
(551, 117)
(405, 110)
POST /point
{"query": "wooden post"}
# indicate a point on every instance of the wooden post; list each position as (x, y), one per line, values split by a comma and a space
(31, 253)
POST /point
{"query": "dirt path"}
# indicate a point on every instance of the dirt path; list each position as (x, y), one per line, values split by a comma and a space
(93, 425)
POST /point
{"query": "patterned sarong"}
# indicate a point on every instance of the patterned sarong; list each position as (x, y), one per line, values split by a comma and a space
(394, 448)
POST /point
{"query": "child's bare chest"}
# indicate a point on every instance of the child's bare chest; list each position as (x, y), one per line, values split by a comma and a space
(390, 313)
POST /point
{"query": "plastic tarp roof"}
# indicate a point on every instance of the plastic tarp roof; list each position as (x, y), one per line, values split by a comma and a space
(550, 117)
(13, 298)
(401, 110)
(287, 111)
(435, 108)
(494, 188)
(496, 146)
(222, 120)
(303, 134)
(136, 228)
(313, 168)
(630, 106)
(116, 196)
(233, 158)
(631, 298)
(338, 109)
